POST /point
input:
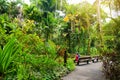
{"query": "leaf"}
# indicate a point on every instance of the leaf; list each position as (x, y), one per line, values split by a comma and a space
(7, 55)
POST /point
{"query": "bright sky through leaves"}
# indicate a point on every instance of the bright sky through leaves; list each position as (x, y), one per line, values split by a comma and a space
(78, 1)
(69, 1)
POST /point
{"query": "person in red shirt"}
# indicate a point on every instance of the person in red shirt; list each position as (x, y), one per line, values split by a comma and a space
(76, 58)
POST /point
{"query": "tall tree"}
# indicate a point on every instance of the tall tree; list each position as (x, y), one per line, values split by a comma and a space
(99, 20)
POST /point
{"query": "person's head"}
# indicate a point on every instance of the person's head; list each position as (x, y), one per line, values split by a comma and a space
(77, 53)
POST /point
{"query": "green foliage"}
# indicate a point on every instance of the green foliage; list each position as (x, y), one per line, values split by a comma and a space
(48, 5)
(32, 12)
(111, 35)
(94, 51)
(111, 51)
(50, 48)
(32, 44)
(38, 30)
(36, 67)
(7, 55)
(3, 7)
(22, 72)
(70, 64)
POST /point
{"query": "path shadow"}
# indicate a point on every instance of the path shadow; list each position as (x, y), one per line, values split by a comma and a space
(82, 64)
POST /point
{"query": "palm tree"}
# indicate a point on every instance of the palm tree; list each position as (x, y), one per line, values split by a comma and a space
(99, 21)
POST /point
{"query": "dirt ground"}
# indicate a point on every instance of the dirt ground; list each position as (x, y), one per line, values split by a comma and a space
(92, 71)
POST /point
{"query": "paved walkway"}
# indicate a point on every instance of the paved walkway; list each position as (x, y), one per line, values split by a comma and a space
(92, 71)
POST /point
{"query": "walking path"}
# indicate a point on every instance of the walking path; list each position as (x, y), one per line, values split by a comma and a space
(92, 71)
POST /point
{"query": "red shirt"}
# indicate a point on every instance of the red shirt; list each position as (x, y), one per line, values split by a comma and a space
(76, 58)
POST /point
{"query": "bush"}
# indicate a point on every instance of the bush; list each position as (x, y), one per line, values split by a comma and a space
(70, 64)
(35, 67)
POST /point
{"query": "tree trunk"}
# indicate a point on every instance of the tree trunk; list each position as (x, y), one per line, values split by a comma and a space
(99, 21)
(65, 58)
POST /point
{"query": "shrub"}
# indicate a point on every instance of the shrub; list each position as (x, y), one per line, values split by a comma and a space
(70, 64)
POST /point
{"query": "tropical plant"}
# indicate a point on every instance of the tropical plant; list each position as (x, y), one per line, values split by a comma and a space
(3, 7)
(7, 55)
(111, 51)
